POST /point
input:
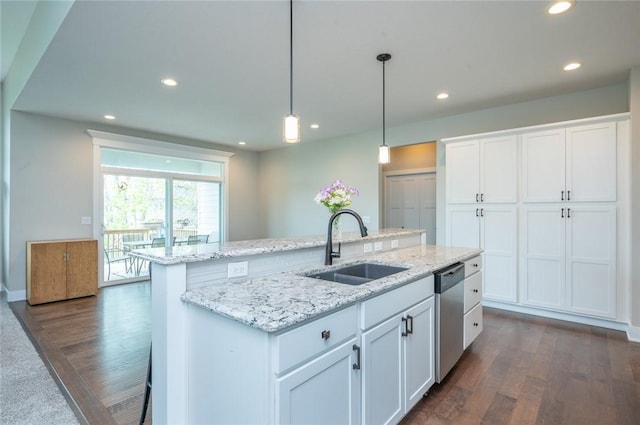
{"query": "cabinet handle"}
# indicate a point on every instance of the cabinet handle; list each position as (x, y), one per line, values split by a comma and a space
(410, 322)
(477, 215)
(562, 213)
(475, 265)
(482, 197)
(475, 323)
(568, 195)
(326, 334)
(477, 197)
(356, 365)
(481, 212)
(406, 326)
(568, 212)
(562, 195)
(475, 290)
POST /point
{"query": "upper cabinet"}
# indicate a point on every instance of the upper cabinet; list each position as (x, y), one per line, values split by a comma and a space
(574, 164)
(482, 171)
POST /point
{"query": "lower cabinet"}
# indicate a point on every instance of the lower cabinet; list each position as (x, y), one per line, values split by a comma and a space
(398, 364)
(323, 391)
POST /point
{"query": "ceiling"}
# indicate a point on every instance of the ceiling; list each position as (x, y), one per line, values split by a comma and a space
(231, 60)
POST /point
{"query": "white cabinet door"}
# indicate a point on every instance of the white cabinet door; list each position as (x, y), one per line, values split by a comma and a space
(463, 226)
(323, 391)
(543, 166)
(418, 354)
(543, 256)
(591, 264)
(463, 172)
(591, 162)
(499, 230)
(498, 170)
(382, 373)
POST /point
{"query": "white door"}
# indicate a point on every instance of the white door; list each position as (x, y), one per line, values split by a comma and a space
(324, 391)
(591, 162)
(463, 172)
(498, 170)
(498, 234)
(591, 264)
(418, 354)
(382, 373)
(543, 255)
(543, 166)
(411, 203)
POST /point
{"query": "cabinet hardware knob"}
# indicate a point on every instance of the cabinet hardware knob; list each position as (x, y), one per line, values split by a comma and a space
(475, 290)
(475, 265)
(356, 365)
(475, 324)
(326, 334)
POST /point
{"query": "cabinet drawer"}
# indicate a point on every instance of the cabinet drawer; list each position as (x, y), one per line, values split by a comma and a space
(383, 306)
(472, 291)
(472, 325)
(472, 265)
(300, 344)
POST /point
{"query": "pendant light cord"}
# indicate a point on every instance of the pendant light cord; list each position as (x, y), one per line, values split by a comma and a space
(383, 103)
(290, 57)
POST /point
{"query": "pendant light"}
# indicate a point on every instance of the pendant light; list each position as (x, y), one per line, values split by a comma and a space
(384, 152)
(291, 121)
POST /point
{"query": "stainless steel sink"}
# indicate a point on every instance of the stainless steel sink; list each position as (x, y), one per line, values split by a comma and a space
(358, 273)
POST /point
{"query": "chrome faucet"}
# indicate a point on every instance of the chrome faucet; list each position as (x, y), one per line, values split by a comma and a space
(329, 253)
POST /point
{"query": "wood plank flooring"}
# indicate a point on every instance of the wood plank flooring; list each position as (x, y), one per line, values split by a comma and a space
(521, 370)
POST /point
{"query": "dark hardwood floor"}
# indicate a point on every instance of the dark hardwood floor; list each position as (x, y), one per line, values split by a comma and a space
(521, 369)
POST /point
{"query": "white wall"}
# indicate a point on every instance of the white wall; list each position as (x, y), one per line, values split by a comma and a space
(290, 177)
(51, 178)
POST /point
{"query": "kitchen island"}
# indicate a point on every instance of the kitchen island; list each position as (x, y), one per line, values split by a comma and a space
(280, 346)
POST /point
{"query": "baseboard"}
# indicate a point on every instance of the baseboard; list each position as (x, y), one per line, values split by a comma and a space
(12, 296)
(633, 333)
(591, 321)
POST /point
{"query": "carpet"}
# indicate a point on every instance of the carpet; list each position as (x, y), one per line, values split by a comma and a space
(28, 393)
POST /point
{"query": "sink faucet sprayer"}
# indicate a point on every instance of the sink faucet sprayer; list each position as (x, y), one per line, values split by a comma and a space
(329, 253)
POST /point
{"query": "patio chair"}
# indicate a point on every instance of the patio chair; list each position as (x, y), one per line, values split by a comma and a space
(197, 239)
(114, 255)
(157, 242)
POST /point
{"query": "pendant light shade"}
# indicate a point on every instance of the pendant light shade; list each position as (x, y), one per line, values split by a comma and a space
(384, 152)
(291, 127)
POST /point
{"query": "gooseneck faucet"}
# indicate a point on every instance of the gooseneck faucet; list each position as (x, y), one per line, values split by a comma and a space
(329, 253)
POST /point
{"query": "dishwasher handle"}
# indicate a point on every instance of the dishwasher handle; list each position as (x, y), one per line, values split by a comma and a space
(448, 277)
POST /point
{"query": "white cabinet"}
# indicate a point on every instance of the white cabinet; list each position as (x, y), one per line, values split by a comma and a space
(323, 391)
(482, 171)
(472, 324)
(575, 164)
(397, 364)
(472, 300)
(568, 258)
(493, 228)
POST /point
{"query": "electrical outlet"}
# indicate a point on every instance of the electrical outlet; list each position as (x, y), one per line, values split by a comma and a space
(85, 219)
(238, 269)
(377, 246)
(368, 248)
(394, 243)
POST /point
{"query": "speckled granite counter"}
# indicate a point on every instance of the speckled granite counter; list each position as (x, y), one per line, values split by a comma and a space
(275, 302)
(194, 253)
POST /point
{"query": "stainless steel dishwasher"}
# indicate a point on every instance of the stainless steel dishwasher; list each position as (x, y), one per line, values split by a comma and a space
(449, 289)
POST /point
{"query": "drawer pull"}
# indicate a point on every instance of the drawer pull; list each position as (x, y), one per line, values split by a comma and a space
(356, 365)
(475, 290)
(475, 264)
(475, 323)
(406, 326)
(326, 335)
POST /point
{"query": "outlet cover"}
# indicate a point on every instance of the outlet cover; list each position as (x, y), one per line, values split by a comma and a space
(394, 243)
(85, 219)
(368, 248)
(377, 246)
(238, 269)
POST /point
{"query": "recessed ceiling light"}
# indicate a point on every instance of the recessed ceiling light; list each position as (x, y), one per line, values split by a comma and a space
(169, 82)
(571, 66)
(242, 142)
(442, 95)
(109, 117)
(559, 7)
(314, 126)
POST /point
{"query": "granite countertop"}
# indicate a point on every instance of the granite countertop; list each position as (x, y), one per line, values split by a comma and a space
(275, 302)
(202, 252)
